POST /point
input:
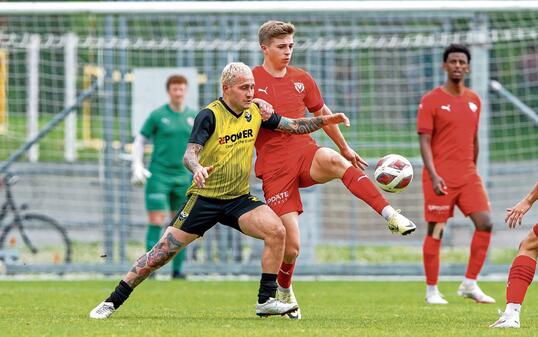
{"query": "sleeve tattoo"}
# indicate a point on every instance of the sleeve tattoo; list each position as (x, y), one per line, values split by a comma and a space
(190, 159)
(300, 125)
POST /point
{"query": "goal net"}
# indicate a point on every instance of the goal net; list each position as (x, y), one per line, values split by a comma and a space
(374, 64)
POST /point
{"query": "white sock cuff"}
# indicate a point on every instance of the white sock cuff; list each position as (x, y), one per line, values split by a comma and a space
(282, 289)
(431, 289)
(512, 308)
(387, 212)
(469, 282)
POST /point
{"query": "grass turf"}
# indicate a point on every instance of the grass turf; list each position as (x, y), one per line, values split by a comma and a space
(226, 308)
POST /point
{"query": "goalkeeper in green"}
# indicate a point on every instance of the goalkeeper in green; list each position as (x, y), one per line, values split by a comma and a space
(167, 180)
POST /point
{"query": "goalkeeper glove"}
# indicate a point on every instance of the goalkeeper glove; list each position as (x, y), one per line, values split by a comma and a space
(139, 173)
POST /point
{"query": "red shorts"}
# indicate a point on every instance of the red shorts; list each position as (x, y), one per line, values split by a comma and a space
(281, 185)
(470, 198)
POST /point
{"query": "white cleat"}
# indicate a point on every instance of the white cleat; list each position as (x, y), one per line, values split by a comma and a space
(296, 314)
(103, 310)
(506, 321)
(475, 293)
(435, 298)
(287, 296)
(274, 307)
(400, 224)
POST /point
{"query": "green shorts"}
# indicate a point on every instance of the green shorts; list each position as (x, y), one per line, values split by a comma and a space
(166, 193)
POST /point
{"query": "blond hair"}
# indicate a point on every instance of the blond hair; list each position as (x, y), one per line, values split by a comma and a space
(234, 70)
(272, 29)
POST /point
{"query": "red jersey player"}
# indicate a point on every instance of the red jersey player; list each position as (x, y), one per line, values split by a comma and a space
(287, 163)
(524, 265)
(447, 125)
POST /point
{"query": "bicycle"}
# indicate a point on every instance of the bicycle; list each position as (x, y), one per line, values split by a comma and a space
(37, 238)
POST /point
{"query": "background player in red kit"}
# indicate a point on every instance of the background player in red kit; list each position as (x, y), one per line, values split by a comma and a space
(447, 125)
(524, 265)
(287, 163)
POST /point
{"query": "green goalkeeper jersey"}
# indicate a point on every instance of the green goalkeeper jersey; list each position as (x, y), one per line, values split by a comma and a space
(170, 132)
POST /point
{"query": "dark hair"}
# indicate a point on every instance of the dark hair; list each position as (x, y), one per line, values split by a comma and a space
(456, 48)
(175, 79)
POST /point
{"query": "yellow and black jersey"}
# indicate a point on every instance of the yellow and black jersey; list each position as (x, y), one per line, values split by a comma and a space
(228, 145)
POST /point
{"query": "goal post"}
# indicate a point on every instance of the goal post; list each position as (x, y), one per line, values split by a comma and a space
(3, 89)
(241, 7)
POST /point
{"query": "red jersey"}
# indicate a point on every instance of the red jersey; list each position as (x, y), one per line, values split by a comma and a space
(453, 123)
(290, 96)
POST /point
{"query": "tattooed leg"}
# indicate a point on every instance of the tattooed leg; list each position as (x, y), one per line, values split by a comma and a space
(167, 247)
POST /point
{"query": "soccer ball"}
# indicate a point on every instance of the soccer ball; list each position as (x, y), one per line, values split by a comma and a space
(393, 173)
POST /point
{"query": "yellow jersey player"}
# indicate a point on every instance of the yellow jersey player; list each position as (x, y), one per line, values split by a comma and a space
(219, 154)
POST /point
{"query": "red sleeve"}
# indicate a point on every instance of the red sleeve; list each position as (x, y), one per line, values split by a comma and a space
(313, 100)
(425, 116)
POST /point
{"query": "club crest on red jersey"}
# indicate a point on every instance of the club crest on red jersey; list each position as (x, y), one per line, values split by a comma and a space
(473, 107)
(299, 86)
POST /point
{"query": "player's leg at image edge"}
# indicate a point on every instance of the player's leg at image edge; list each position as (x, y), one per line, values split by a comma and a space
(519, 278)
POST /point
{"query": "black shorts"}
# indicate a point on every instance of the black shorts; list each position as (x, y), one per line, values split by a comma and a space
(199, 213)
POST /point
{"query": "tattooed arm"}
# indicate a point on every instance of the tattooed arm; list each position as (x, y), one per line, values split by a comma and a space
(203, 128)
(190, 159)
(308, 125)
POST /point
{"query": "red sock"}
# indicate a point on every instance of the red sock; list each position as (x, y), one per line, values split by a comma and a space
(284, 274)
(519, 279)
(430, 255)
(479, 250)
(364, 189)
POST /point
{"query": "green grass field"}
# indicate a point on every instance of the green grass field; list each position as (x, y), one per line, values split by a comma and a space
(226, 308)
(84, 252)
